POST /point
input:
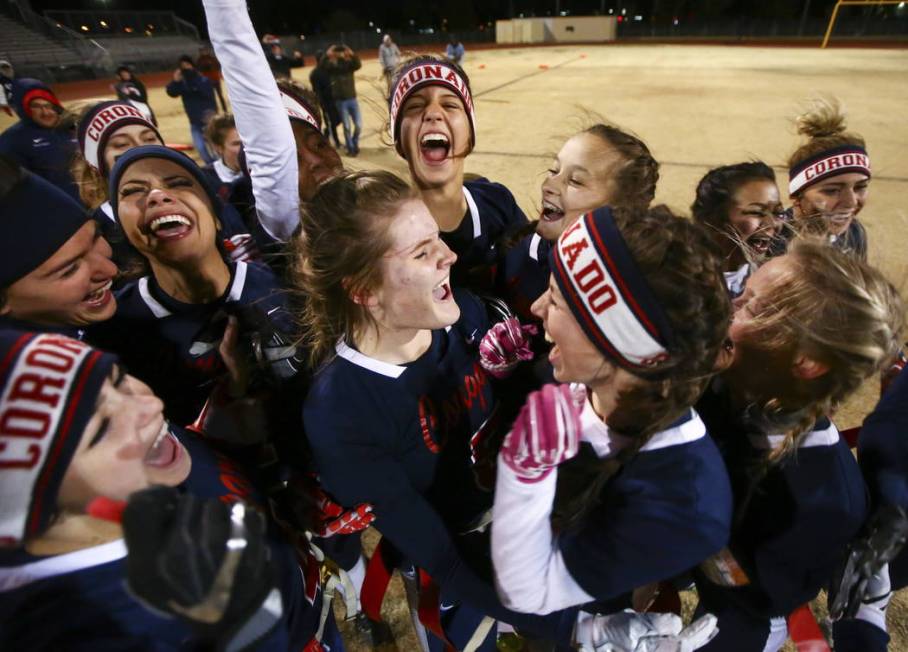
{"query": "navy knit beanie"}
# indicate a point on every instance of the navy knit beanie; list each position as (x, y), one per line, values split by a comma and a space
(38, 218)
(39, 436)
(159, 151)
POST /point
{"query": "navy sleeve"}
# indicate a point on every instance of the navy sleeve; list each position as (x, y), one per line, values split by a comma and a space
(8, 147)
(175, 88)
(883, 446)
(355, 470)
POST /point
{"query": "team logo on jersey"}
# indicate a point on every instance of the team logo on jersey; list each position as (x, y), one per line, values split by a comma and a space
(437, 419)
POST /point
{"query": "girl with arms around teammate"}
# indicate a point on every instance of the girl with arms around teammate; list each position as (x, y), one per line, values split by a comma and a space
(637, 312)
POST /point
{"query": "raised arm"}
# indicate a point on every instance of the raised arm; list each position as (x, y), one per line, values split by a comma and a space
(261, 119)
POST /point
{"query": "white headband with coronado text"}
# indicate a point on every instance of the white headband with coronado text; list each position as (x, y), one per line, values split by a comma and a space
(828, 164)
(426, 74)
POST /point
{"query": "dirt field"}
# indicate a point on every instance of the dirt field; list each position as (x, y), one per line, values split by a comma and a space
(696, 107)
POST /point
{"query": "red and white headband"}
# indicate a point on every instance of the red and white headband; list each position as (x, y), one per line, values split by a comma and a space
(420, 74)
(49, 385)
(99, 124)
(829, 163)
(607, 294)
(299, 109)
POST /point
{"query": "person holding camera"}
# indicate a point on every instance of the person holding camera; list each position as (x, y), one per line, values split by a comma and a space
(341, 63)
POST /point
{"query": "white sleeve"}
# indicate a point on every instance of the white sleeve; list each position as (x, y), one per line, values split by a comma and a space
(530, 573)
(261, 119)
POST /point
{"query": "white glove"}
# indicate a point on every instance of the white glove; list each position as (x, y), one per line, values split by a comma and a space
(629, 631)
(876, 599)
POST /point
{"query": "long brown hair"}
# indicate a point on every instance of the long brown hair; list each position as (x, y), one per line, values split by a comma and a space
(836, 310)
(344, 234)
(683, 267)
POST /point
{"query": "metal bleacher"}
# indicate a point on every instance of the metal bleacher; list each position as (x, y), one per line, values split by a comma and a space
(34, 53)
(66, 45)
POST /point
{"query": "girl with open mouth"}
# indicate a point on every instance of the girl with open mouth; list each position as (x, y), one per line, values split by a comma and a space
(829, 179)
(68, 468)
(433, 127)
(170, 322)
(739, 205)
(107, 130)
(610, 482)
(401, 404)
(602, 165)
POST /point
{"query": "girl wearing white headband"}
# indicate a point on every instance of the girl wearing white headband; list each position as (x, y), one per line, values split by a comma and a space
(433, 127)
(829, 179)
(637, 311)
(286, 159)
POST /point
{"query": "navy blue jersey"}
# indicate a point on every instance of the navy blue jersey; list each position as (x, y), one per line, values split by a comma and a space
(11, 323)
(399, 437)
(47, 152)
(792, 521)
(667, 509)
(523, 274)
(79, 601)
(173, 346)
(491, 212)
(883, 446)
(197, 94)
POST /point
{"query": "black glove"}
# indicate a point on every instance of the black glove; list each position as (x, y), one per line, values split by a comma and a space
(273, 350)
(854, 580)
(204, 561)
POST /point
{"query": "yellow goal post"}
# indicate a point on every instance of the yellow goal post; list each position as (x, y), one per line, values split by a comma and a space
(852, 3)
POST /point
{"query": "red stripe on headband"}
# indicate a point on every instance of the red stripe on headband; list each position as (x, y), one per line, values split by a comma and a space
(577, 301)
(13, 352)
(622, 286)
(60, 441)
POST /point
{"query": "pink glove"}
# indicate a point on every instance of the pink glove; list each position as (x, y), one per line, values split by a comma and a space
(504, 346)
(545, 433)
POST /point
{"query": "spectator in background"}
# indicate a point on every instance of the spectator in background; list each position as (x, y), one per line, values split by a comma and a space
(320, 81)
(198, 102)
(6, 86)
(222, 135)
(389, 57)
(40, 141)
(208, 65)
(130, 89)
(280, 64)
(454, 52)
(341, 63)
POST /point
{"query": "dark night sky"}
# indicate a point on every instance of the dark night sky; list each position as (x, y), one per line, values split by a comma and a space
(308, 16)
